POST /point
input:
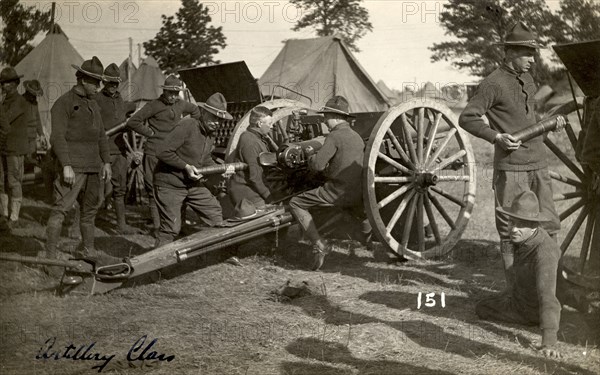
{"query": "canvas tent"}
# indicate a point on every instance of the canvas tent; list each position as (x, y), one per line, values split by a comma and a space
(50, 63)
(389, 93)
(320, 68)
(124, 67)
(145, 83)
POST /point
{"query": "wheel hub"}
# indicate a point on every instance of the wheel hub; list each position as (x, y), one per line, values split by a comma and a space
(426, 179)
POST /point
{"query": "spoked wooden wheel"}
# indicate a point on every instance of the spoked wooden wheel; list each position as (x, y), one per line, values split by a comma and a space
(135, 172)
(578, 204)
(419, 185)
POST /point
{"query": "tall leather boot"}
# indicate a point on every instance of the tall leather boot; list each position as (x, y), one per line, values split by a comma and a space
(507, 249)
(155, 217)
(52, 238)
(87, 240)
(4, 205)
(122, 226)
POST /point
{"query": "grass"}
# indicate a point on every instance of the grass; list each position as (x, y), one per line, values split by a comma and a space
(217, 318)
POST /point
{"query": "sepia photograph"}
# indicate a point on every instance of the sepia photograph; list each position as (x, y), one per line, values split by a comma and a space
(299, 187)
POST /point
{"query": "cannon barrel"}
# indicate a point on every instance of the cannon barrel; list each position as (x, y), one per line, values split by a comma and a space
(537, 129)
(116, 129)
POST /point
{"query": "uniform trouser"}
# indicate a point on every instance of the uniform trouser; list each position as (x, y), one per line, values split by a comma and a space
(237, 192)
(11, 177)
(301, 203)
(85, 190)
(509, 184)
(150, 162)
(117, 187)
(169, 201)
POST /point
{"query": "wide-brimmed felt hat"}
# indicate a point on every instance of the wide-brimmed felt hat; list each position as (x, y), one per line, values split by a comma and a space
(172, 83)
(338, 105)
(217, 105)
(33, 87)
(246, 210)
(9, 74)
(525, 206)
(112, 73)
(521, 35)
(91, 68)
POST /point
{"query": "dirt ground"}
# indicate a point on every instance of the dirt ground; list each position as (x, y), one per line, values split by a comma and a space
(213, 317)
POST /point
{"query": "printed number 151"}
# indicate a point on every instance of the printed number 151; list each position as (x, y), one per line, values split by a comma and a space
(430, 300)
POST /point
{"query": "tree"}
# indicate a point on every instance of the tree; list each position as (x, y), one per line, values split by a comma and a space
(578, 20)
(478, 25)
(329, 17)
(20, 24)
(186, 40)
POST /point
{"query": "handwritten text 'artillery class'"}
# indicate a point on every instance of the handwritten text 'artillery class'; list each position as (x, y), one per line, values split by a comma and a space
(139, 351)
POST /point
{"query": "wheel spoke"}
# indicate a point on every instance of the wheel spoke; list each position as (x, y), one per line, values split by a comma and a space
(431, 217)
(399, 149)
(589, 226)
(420, 224)
(448, 196)
(571, 234)
(566, 180)
(449, 160)
(408, 139)
(409, 222)
(566, 196)
(431, 137)
(438, 152)
(571, 135)
(394, 163)
(420, 125)
(392, 223)
(442, 211)
(569, 211)
(454, 178)
(566, 161)
(385, 201)
(398, 179)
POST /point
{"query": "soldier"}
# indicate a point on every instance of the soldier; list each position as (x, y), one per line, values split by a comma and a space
(114, 110)
(532, 299)
(505, 97)
(81, 148)
(162, 115)
(341, 158)
(15, 147)
(4, 126)
(177, 180)
(249, 184)
(33, 89)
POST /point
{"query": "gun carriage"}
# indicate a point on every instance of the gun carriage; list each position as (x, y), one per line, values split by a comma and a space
(419, 178)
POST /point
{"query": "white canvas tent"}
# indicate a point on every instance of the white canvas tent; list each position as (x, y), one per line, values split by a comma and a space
(321, 68)
(50, 63)
(145, 83)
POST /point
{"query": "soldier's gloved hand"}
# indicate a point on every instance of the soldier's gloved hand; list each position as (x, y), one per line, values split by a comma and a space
(68, 175)
(193, 172)
(560, 124)
(507, 142)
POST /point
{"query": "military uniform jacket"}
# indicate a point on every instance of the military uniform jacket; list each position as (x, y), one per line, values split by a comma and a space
(506, 99)
(188, 143)
(78, 138)
(162, 118)
(250, 146)
(341, 160)
(16, 112)
(114, 110)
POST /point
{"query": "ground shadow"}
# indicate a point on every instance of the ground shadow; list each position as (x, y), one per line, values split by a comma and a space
(336, 353)
(24, 246)
(432, 336)
(37, 214)
(118, 246)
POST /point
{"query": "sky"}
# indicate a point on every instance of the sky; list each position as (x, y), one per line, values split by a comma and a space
(395, 52)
